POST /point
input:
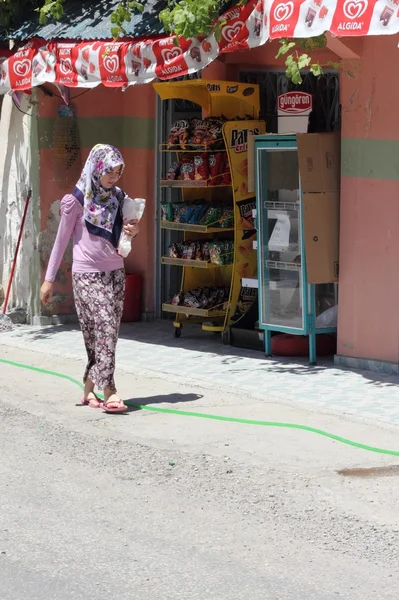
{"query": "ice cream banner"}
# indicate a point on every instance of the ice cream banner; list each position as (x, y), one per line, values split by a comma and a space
(247, 25)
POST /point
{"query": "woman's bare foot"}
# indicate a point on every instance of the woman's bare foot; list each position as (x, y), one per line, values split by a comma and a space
(112, 400)
(89, 387)
(89, 396)
(92, 400)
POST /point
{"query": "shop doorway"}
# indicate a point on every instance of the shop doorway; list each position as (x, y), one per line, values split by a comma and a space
(325, 117)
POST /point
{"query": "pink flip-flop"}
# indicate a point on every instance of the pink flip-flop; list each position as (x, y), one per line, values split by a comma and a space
(121, 409)
(87, 401)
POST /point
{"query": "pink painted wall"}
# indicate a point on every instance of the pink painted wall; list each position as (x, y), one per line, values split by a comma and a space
(369, 245)
(101, 105)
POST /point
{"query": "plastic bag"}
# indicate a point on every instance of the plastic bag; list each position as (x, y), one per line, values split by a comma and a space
(328, 318)
(133, 210)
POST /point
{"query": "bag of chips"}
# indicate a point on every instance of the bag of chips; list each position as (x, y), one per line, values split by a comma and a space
(177, 133)
(187, 171)
(176, 207)
(198, 213)
(173, 171)
(227, 218)
(215, 164)
(205, 251)
(191, 250)
(246, 219)
(212, 215)
(178, 299)
(175, 250)
(182, 210)
(199, 130)
(214, 136)
(201, 167)
(167, 211)
(193, 298)
(188, 213)
(216, 253)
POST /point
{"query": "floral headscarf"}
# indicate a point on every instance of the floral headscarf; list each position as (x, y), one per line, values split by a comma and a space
(101, 207)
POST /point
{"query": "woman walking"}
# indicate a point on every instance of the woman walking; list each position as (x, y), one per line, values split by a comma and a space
(93, 215)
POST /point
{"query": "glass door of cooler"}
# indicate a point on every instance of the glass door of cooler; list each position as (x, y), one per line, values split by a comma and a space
(283, 296)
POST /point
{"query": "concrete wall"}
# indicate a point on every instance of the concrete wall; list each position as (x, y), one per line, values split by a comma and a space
(369, 251)
(126, 120)
(18, 173)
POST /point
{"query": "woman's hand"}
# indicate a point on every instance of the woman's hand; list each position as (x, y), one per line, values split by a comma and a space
(131, 229)
(46, 292)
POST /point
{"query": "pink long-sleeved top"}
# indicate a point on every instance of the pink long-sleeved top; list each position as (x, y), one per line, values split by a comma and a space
(91, 254)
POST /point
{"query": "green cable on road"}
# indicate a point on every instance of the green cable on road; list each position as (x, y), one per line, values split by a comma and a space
(185, 413)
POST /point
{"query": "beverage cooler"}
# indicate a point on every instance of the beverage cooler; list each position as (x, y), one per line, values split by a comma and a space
(297, 218)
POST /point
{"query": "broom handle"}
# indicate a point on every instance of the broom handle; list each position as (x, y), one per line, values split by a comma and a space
(14, 262)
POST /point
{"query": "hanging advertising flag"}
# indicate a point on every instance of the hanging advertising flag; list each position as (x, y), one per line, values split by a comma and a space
(352, 16)
(119, 64)
(284, 15)
(20, 67)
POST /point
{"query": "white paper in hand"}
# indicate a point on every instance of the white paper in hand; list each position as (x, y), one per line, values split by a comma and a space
(133, 210)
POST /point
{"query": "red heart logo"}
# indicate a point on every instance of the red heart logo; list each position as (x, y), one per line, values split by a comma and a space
(22, 67)
(66, 66)
(229, 32)
(111, 63)
(354, 9)
(168, 54)
(283, 11)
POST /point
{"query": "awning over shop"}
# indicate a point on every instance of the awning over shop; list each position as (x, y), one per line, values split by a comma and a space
(119, 64)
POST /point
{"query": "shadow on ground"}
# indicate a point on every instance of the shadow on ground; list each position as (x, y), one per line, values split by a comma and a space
(160, 333)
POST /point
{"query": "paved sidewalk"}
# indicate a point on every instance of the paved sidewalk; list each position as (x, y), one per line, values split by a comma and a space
(202, 357)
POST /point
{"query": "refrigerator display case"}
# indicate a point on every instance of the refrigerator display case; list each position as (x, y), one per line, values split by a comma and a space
(288, 303)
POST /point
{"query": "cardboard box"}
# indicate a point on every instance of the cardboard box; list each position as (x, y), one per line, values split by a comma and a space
(318, 161)
(319, 157)
(321, 227)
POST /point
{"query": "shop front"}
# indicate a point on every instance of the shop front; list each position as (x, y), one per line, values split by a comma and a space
(353, 103)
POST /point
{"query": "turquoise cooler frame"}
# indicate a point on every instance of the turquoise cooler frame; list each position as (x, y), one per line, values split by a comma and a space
(266, 143)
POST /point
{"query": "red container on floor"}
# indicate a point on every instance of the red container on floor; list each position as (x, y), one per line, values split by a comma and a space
(133, 298)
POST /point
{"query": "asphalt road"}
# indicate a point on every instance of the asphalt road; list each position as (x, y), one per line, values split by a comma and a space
(146, 506)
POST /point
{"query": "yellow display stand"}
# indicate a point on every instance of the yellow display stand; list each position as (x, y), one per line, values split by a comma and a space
(240, 103)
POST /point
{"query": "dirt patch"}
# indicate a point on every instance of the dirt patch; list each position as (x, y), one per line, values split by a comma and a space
(389, 471)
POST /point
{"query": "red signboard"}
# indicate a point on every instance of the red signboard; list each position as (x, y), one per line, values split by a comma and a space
(294, 103)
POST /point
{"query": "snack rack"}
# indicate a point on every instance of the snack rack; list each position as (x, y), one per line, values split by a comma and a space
(240, 103)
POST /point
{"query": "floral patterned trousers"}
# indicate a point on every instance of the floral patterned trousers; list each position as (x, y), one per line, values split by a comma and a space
(99, 301)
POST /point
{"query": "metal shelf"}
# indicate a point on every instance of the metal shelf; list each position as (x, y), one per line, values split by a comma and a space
(205, 148)
(290, 206)
(194, 228)
(190, 183)
(191, 262)
(195, 312)
(289, 248)
(282, 266)
(200, 151)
